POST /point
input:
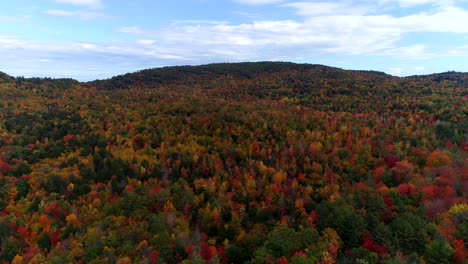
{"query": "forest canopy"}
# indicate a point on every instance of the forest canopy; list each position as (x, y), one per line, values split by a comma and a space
(267, 162)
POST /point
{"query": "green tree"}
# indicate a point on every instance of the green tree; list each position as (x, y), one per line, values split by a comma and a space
(23, 188)
(282, 240)
(343, 219)
(363, 255)
(44, 241)
(261, 255)
(308, 236)
(438, 252)
(238, 253)
(301, 260)
(409, 232)
(9, 250)
(23, 168)
(5, 230)
(55, 184)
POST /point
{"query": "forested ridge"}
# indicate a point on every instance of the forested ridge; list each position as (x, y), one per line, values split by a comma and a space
(267, 162)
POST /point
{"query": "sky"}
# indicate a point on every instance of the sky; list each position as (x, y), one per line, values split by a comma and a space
(97, 39)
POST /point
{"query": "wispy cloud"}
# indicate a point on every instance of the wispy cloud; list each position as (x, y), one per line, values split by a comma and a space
(93, 4)
(395, 71)
(368, 16)
(146, 41)
(459, 51)
(310, 9)
(199, 22)
(411, 3)
(248, 15)
(417, 51)
(347, 32)
(12, 19)
(72, 59)
(83, 15)
(258, 2)
(132, 30)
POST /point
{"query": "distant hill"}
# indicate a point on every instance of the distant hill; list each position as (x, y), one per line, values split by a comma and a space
(5, 78)
(451, 78)
(176, 75)
(240, 71)
(322, 87)
(289, 74)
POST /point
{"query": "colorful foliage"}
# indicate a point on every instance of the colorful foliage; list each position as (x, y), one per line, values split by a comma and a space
(234, 163)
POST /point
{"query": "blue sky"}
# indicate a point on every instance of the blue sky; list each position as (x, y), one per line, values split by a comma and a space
(94, 39)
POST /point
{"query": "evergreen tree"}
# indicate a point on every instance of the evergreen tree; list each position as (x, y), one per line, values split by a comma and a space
(438, 252)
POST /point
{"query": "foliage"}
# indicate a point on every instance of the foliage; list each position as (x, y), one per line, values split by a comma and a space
(234, 163)
(438, 251)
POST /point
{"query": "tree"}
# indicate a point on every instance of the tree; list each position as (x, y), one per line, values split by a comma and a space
(17, 260)
(9, 250)
(301, 260)
(55, 184)
(5, 230)
(346, 222)
(363, 254)
(409, 232)
(238, 253)
(438, 252)
(308, 236)
(44, 241)
(23, 188)
(438, 159)
(23, 168)
(282, 240)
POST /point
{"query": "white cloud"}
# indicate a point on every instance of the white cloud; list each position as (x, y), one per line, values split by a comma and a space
(88, 46)
(309, 9)
(93, 4)
(411, 3)
(459, 51)
(258, 2)
(356, 29)
(350, 32)
(326, 33)
(446, 19)
(83, 15)
(248, 15)
(417, 51)
(132, 30)
(419, 68)
(350, 13)
(12, 19)
(146, 41)
(395, 71)
(73, 59)
(83, 48)
(212, 22)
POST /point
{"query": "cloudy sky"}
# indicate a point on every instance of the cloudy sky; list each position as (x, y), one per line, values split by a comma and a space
(91, 39)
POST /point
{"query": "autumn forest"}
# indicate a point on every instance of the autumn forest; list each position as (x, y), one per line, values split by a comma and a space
(268, 162)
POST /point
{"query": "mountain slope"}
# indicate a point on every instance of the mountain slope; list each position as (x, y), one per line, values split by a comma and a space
(240, 71)
(4, 78)
(446, 79)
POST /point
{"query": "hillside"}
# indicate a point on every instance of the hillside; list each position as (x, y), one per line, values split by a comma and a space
(258, 71)
(317, 86)
(4, 78)
(235, 163)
